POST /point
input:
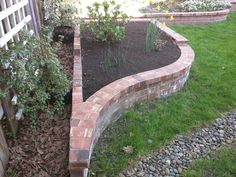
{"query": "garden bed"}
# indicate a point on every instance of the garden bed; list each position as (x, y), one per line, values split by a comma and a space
(130, 54)
(90, 118)
(43, 152)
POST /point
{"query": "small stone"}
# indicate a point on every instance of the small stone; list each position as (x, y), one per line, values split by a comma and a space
(167, 171)
(180, 170)
(221, 131)
(149, 141)
(141, 174)
(121, 175)
(168, 162)
(152, 168)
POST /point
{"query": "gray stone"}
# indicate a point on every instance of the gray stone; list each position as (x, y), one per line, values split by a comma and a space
(152, 168)
(168, 162)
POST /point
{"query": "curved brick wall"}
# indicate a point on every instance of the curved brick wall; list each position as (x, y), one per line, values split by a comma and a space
(90, 118)
(233, 8)
(191, 17)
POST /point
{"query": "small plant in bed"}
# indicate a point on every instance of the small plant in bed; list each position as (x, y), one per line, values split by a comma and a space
(153, 40)
(107, 21)
(107, 25)
(61, 17)
(113, 57)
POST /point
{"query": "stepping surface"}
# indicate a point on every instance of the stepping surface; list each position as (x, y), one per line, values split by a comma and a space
(171, 160)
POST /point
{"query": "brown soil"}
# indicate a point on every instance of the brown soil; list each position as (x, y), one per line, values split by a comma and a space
(66, 59)
(130, 52)
(42, 152)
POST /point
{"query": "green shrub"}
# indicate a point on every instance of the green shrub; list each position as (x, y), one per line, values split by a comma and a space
(107, 21)
(32, 69)
(61, 13)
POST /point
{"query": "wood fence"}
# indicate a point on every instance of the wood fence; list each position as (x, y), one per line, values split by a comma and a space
(15, 15)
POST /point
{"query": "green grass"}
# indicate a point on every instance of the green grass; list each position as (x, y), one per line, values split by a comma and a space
(222, 165)
(210, 91)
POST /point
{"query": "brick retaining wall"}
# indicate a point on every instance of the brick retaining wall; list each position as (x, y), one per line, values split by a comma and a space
(233, 8)
(91, 117)
(190, 17)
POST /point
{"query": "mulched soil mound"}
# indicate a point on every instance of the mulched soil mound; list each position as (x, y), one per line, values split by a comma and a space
(66, 58)
(131, 52)
(42, 152)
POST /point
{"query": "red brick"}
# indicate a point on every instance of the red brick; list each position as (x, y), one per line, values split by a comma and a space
(77, 132)
(80, 143)
(88, 123)
(74, 122)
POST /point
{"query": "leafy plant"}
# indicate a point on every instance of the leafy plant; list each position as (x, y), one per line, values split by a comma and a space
(61, 13)
(107, 21)
(32, 69)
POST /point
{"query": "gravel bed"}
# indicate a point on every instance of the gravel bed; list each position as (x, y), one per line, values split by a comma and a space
(171, 160)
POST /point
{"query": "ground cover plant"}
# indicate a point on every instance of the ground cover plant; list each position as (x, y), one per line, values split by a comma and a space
(209, 91)
(186, 6)
(220, 164)
(205, 5)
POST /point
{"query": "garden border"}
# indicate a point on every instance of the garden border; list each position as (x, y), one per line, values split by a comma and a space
(90, 118)
(233, 7)
(190, 17)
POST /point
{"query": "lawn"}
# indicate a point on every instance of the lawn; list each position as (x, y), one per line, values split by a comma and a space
(223, 164)
(210, 91)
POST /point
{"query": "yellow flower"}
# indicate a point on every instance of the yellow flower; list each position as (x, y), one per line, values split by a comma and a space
(158, 7)
(151, 2)
(171, 18)
(164, 24)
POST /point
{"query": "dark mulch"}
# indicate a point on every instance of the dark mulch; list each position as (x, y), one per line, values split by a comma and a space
(96, 74)
(42, 152)
(66, 58)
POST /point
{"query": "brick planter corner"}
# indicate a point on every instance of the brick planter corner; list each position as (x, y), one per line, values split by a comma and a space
(90, 118)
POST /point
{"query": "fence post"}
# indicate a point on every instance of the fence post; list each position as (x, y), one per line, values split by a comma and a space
(10, 113)
(34, 9)
(4, 152)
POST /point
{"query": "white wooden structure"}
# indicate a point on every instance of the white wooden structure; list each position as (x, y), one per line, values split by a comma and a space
(15, 15)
